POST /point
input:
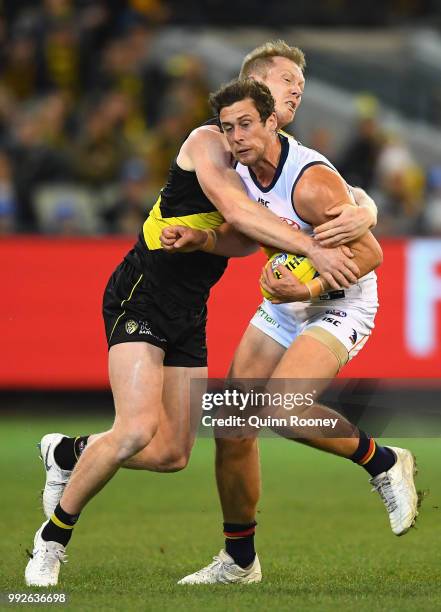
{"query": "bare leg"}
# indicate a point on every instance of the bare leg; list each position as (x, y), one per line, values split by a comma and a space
(237, 460)
(308, 358)
(170, 448)
(136, 378)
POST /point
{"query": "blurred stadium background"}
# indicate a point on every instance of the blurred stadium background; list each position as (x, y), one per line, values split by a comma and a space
(95, 98)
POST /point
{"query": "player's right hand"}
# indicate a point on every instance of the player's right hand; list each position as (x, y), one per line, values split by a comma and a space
(287, 288)
(335, 265)
(181, 239)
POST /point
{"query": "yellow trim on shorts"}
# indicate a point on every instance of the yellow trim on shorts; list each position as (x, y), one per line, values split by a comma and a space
(122, 304)
(59, 523)
(329, 340)
(155, 223)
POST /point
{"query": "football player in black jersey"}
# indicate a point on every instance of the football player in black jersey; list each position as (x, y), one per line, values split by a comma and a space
(155, 312)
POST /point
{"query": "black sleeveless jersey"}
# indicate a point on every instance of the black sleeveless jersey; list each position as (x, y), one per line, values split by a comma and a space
(185, 278)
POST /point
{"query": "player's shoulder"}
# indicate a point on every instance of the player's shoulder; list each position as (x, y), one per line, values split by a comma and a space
(205, 133)
(302, 151)
(302, 159)
(204, 138)
(210, 127)
(210, 130)
(205, 141)
(311, 156)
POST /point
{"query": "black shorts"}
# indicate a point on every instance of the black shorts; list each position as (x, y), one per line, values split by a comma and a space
(132, 313)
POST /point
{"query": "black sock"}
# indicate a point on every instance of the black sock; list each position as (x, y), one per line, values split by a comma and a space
(60, 526)
(69, 450)
(373, 458)
(239, 542)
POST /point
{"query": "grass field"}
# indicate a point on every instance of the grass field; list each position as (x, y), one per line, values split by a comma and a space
(323, 538)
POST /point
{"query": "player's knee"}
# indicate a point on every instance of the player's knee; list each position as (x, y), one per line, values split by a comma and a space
(134, 439)
(173, 461)
(234, 448)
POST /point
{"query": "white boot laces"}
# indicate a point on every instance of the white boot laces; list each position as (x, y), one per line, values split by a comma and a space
(385, 490)
(51, 557)
(217, 561)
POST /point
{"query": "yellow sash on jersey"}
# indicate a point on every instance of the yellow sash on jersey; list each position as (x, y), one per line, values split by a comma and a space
(155, 223)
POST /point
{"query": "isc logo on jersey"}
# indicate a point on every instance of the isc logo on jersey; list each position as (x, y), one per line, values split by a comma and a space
(298, 265)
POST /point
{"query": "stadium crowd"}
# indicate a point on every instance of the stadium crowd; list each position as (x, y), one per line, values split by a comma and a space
(90, 119)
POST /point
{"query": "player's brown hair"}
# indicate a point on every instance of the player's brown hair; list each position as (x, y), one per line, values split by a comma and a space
(240, 89)
(260, 59)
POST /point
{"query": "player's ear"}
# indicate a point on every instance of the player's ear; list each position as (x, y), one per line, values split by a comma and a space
(272, 122)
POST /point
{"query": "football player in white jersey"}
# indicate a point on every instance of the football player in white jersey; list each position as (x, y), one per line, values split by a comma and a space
(309, 339)
(205, 155)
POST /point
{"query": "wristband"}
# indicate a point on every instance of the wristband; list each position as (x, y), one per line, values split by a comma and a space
(315, 287)
(210, 244)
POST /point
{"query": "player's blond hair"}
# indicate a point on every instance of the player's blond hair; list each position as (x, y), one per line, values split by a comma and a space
(259, 60)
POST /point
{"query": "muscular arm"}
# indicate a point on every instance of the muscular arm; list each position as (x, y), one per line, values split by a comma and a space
(365, 201)
(320, 188)
(348, 222)
(205, 152)
(225, 240)
(232, 243)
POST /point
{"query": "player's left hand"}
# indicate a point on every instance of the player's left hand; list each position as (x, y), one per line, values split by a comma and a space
(285, 289)
(349, 223)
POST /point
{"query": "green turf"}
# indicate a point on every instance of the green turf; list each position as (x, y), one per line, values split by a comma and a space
(323, 539)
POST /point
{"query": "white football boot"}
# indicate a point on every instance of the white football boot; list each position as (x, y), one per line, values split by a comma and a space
(56, 478)
(397, 490)
(44, 565)
(223, 570)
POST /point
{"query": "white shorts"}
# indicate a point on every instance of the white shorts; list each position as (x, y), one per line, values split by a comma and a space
(345, 329)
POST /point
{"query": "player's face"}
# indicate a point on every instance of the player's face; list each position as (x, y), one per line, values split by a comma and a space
(286, 82)
(247, 136)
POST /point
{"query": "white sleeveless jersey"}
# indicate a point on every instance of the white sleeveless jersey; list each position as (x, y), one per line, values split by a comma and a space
(278, 197)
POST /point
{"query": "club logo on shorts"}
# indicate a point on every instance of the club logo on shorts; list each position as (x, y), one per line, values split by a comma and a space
(131, 326)
(353, 337)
